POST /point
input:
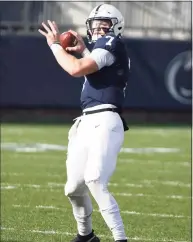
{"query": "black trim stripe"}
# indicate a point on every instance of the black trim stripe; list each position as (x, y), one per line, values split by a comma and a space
(97, 9)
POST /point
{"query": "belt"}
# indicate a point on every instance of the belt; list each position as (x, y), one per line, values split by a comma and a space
(116, 110)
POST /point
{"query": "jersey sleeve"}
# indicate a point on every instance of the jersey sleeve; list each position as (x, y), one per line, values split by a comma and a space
(102, 57)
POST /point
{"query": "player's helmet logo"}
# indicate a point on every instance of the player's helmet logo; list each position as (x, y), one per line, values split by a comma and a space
(178, 78)
(105, 12)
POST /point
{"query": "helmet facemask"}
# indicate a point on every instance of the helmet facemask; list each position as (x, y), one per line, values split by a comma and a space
(98, 27)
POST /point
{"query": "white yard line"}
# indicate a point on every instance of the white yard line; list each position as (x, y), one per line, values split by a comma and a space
(122, 194)
(6, 186)
(120, 160)
(155, 162)
(164, 171)
(24, 174)
(123, 212)
(167, 183)
(151, 183)
(51, 232)
(164, 132)
(39, 147)
(114, 184)
(144, 183)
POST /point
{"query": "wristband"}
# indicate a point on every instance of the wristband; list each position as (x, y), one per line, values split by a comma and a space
(85, 52)
(56, 42)
(55, 47)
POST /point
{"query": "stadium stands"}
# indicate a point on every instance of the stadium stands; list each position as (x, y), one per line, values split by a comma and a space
(142, 19)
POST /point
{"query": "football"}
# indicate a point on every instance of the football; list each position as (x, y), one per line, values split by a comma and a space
(67, 40)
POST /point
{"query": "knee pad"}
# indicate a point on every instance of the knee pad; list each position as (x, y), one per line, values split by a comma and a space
(70, 189)
(74, 189)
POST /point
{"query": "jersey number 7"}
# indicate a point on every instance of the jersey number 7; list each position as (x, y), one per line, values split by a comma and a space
(110, 40)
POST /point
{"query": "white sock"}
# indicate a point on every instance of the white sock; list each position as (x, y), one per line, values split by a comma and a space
(109, 209)
(82, 210)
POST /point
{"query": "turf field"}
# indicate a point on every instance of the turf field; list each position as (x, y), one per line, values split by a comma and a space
(152, 185)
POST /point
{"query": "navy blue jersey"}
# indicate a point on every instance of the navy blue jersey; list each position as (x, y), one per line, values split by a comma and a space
(107, 86)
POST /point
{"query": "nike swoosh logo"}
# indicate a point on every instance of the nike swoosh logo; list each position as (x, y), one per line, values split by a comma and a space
(97, 125)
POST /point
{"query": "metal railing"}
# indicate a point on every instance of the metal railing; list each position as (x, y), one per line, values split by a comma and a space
(140, 17)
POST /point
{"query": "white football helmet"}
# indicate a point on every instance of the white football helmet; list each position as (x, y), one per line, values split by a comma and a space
(105, 12)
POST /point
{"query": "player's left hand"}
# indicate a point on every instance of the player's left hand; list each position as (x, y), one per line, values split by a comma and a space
(51, 33)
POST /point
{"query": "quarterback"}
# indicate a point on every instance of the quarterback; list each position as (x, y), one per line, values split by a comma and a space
(96, 137)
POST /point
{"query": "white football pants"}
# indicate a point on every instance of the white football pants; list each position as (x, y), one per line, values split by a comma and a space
(94, 143)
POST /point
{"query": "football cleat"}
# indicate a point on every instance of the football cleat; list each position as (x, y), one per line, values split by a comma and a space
(125, 240)
(89, 238)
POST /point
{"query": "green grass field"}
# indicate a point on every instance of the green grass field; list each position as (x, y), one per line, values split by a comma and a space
(152, 186)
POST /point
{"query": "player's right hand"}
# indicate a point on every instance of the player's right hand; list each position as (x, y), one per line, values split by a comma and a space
(51, 32)
(80, 46)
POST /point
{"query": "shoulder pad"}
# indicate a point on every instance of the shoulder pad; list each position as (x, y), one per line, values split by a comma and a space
(109, 42)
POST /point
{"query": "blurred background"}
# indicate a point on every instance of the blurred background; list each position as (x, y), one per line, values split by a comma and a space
(158, 38)
(152, 182)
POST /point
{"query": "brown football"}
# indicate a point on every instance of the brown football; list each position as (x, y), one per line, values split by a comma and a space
(67, 40)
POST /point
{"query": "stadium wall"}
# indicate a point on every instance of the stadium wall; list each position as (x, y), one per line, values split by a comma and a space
(160, 78)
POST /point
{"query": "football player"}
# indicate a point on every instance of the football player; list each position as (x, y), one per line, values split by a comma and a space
(96, 137)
